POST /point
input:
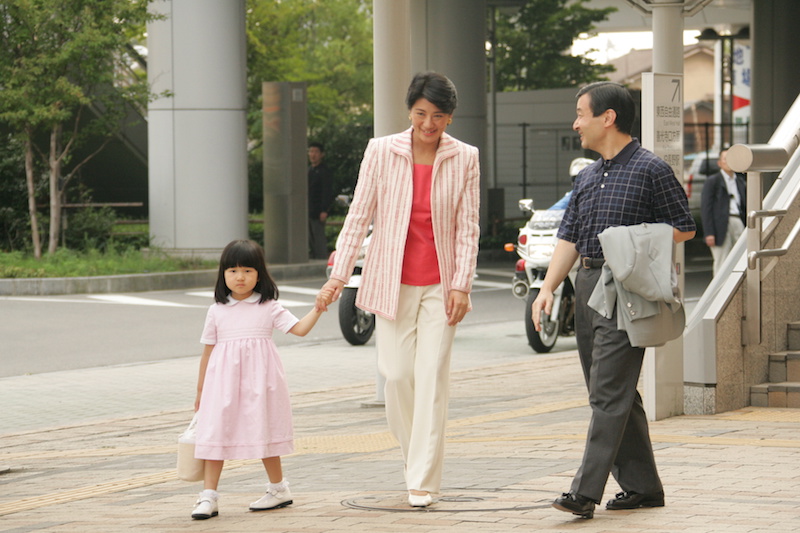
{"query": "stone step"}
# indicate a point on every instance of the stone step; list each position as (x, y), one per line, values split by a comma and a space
(793, 335)
(783, 394)
(784, 366)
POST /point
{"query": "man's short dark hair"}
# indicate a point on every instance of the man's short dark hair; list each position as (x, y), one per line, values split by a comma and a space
(317, 145)
(605, 95)
(435, 88)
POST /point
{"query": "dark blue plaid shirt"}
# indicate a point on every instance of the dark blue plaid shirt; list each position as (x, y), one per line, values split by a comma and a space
(634, 187)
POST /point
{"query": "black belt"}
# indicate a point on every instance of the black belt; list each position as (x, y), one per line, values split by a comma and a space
(592, 262)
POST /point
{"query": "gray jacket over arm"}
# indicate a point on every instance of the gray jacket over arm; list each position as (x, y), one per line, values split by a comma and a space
(639, 281)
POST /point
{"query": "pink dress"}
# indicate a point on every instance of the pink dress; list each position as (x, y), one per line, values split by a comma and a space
(245, 410)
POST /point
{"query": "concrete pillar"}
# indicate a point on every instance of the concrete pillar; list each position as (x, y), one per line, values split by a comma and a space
(285, 121)
(198, 136)
(392, 64)
(663, 366)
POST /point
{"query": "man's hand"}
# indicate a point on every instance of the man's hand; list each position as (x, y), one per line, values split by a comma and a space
(543, 302)
(710, 241)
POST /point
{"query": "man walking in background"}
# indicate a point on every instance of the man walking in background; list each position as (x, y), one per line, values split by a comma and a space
(722, 210)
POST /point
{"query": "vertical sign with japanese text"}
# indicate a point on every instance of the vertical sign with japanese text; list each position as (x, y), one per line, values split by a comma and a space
(662, 118)
(741, 90)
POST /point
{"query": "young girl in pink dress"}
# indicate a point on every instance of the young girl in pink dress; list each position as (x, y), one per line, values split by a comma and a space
(242, 401)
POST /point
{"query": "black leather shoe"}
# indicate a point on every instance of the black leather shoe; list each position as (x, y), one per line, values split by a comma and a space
(575, 504)
(634, 500)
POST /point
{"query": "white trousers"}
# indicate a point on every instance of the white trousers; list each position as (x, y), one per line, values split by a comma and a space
(722, 249)
(414, 357)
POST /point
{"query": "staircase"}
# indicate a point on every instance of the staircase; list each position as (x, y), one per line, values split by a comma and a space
(783, 388)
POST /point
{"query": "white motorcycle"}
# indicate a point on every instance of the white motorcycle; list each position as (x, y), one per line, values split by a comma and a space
(535, 246)
(356, 324)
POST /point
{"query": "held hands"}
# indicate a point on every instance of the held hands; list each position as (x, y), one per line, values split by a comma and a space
(328, 294)
(543, 302)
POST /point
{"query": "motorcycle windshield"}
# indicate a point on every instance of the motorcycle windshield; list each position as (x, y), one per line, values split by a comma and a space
(547, 219)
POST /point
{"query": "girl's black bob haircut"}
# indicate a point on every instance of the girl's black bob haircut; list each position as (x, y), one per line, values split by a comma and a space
(245, 253)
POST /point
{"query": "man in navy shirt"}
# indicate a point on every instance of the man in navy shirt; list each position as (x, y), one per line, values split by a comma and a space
(628, 185)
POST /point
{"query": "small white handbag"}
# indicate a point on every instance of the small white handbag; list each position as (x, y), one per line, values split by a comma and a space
(189, 468)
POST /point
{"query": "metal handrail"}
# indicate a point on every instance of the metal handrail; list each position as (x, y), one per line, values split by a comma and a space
(753, 256)
(756, 159)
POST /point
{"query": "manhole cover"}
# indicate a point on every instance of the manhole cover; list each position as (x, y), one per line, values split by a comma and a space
(454, 501)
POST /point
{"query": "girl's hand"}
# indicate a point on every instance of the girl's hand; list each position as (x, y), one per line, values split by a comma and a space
(328, 294)
(457, 306)
(197, 401)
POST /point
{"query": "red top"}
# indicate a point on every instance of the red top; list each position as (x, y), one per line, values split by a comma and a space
(420, 264)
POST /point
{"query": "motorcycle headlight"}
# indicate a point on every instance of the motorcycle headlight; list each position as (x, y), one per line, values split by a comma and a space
(540, 251)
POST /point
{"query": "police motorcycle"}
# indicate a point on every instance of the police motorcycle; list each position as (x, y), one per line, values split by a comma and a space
(357, 325)
(535, 245)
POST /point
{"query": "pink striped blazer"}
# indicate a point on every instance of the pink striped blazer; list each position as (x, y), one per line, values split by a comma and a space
(383, 196)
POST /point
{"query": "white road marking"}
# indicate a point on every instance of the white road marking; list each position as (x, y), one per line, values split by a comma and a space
(284, 302)
(491, 284)
(298, 290)
(135, 300)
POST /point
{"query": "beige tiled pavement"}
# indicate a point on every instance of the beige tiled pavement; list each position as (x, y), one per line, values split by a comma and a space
(94, 451)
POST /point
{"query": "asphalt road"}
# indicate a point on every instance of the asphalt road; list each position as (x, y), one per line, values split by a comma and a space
(55, 333)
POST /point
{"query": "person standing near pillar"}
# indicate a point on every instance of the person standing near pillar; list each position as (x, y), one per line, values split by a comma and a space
(628, 185)
(320, 197)
(722, 210)
(420, 189)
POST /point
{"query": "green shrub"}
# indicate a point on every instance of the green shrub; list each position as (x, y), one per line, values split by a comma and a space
(89, 228)
(72, 263)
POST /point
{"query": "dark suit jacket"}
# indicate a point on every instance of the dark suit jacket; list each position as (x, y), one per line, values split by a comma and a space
(715, 205)
(320, 190)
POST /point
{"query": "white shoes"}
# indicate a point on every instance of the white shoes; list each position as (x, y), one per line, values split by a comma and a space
(206, 506)
(278, 495)
(420, 500)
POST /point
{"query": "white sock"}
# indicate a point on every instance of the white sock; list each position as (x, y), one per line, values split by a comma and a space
(281, 486)
(210, 493)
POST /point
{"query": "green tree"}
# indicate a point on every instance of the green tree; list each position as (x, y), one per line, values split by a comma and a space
(533, 46)
(63, 80)
(328, 45)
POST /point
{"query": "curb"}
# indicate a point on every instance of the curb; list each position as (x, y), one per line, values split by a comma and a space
(158, 281)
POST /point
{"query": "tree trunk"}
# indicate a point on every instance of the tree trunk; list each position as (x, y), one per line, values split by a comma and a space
(55, 189)
(29, 179)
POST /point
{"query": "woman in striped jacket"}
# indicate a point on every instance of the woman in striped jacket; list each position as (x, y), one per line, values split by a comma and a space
(420, 189)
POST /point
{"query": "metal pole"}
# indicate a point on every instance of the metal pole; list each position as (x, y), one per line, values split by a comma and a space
(524, 160)
(752, 319)
(493, 89)
(663, 366)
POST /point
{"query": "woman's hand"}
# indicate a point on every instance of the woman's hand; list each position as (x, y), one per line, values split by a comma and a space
(457, 306)
(328, 294)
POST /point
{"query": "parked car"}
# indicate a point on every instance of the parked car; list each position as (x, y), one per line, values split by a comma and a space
(699, 167)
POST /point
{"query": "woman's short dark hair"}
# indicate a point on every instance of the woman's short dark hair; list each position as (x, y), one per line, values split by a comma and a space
(605, 95)
(435, 88)
(245, 253)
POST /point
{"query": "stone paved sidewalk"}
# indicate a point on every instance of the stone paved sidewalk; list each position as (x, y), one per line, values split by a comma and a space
(515, 438)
